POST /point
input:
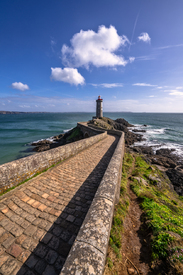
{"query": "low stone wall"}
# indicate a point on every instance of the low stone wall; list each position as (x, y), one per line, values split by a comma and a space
(13, 173)
(88, 253)
(89, 131)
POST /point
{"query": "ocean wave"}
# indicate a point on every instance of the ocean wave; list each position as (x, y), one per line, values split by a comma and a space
(67, 130)
(160, 138)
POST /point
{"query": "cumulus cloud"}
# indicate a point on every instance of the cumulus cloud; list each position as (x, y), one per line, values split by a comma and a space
(174, 92)
(69, 75)
(20, 86)
(144, 36)
(95, 48)
(131, 59)
(144, 85)
(108, 85)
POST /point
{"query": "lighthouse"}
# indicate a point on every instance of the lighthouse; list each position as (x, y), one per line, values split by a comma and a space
(99, 107)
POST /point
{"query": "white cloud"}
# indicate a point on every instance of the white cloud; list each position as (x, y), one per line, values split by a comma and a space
(179, 88)
(144, 36)
(69, 75)
(95, 48)
(131, 59)
(151, 96)
(174, 92)
(20, 86)
(108, 85)
(24, 106)
(144, 85)
(53, 43)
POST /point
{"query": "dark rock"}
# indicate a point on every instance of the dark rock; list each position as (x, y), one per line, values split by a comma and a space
(124, 122)
(164, 152)
(163, 161)
(42, 148)
(147, 150)
(140, 131)
(41, 142)
(176, 178)
(145, 125)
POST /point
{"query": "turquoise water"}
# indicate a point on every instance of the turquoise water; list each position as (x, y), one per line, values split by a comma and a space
(17, 131)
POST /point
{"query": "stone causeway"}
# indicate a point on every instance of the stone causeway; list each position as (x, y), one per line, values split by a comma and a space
(40, 219)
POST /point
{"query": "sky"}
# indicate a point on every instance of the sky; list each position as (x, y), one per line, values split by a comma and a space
(59, 55)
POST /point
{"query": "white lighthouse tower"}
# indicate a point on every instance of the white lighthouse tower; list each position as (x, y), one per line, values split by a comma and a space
(99, 107)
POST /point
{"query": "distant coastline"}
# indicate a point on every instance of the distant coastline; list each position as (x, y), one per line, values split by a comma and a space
(15, 112)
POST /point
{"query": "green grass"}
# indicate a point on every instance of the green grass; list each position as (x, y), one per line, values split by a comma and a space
(163, 209)
(76, 132)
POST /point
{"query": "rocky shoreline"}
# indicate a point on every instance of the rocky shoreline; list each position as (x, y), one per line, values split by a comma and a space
(165, 159)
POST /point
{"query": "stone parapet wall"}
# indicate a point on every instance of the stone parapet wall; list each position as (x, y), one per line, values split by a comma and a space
(88, 253)
(15, 172)
(89, 131)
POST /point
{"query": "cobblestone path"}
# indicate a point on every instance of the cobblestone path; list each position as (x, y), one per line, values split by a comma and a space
(39, 220)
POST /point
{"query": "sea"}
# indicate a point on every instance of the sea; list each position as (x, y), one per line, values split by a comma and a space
(18, 131)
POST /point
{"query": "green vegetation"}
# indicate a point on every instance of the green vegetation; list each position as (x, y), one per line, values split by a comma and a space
(76, 133)
(120, 212)
(163, 210)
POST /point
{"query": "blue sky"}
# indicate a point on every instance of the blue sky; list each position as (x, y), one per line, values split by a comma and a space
(60, 55)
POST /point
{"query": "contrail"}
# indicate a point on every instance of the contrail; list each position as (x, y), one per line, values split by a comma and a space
(134, 29)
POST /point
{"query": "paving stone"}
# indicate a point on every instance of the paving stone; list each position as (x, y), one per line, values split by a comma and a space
(16, 230)
(50, 271)
(30, 218)
(3, 259)
(40, 266)
(25, 224)
(8, 241)
(37, 221)
(8, 267)
(24, 255)
(9, 226)
(9, 214)
(32, 261)
(57, 231)
(27, 243)
(51, 218)
(54, 243)
(36, 204)
(78, 221)
(59, 263)
(46, 238)
(14, 250)
(44, 215)
(42, 207)
(43, 224)
(30, 230)
(38, 234)
(21, 239)
(51, 257)
(22, 271)
(65, 235)
(41, 251)
(4, 222)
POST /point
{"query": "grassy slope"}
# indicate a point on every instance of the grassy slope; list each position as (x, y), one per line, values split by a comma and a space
(163, 214)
